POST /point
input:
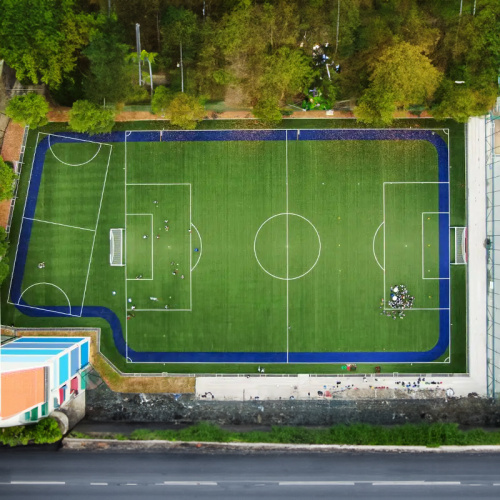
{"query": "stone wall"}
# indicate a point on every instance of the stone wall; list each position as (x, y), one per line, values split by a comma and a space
(103, 405)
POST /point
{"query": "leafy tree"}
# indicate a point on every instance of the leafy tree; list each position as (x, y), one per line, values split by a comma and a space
(403, 71)
(30, 109)
(267, 110)
(7, 177)
(185, 111)
(4, 260)
(110, 73)
(161, 100)
(40, 39)
(461, 102)
(375, 108)
(85, 116)
(288, 72)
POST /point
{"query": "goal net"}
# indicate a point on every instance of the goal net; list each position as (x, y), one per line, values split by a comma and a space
(460, 245)
(116, 247)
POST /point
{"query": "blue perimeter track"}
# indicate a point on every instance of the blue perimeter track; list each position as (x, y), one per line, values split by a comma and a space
(247, 135)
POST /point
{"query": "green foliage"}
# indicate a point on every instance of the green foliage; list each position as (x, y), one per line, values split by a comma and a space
(268, 111)
(375, 108)
(161, 100)
(30, 109)
(7, 177)
(4, 260)
(40, 39)
(43, 432)
(405, 73)
(184, 111)
(90, 118)
(430, 435)
(461, 102)
(110, 76)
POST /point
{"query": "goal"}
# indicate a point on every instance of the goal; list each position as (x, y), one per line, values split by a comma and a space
(460, 245)
(116, 247)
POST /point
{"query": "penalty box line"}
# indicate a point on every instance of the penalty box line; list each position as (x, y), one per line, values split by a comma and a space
(384, 245)
(423, 244)
(152, 247)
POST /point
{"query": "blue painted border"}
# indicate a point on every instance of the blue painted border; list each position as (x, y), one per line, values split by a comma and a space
(248, 135)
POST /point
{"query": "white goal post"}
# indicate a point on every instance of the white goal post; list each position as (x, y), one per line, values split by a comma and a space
(116, 247)
(460, 245)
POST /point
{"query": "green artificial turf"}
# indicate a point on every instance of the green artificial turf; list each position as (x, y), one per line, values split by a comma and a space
(237, 196)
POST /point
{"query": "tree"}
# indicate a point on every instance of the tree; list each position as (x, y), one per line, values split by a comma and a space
(267, 110)
(185, 111)
(461, 102)
(30, 109)
(7, 177)
(161, 100)
(88, 117)
(40, 39)
(110, 76)
(403, 71)
(375, 108)
(4, 260)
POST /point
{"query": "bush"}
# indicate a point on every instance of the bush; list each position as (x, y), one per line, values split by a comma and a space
(44, 432)
(185, 111)
(29, 109)
(88, 117)
(7, 177)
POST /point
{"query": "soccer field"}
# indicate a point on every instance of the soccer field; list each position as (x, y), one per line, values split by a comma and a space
(259, 246)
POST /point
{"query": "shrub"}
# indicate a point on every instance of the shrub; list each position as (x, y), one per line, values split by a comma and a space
(45, 431)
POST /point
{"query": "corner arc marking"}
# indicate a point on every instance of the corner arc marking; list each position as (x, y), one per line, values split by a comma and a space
(374, 238)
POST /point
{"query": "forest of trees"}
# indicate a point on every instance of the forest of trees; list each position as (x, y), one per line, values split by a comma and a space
(382, 55)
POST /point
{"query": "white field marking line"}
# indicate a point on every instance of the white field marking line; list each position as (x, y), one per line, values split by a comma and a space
(22, 220)
(373, 246)
(59, 224)
(152, 250)
(95, 230)
(383, 203)
(47, 310)
(76, 139)
(423, 245)
(160, 310)
(190, 249)
(158, 184)
(287, 253)
(50, 284)
(281, 277)
(71, 164)
(201, 246)
(125, 243)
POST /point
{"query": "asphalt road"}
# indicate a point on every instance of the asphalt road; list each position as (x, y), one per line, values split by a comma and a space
(28, 474)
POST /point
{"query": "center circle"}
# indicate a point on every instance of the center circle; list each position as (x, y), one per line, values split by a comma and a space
(287, 246)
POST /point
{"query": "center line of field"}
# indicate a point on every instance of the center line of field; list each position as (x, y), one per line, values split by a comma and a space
(287, 251)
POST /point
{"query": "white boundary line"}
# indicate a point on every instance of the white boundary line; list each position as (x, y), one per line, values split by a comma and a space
(50, 284)
(96, 226)
(72, 164)
(201, 246)
(158, 184)
(385, 286)
(373, 246)
(22, 220)
(152, 245)
(161, 311)
(76, 139)
(287, 254)
(190, 248)
(59, 224)
(423, 244)
(125, 243)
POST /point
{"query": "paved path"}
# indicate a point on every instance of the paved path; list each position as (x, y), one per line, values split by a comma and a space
(28, 474)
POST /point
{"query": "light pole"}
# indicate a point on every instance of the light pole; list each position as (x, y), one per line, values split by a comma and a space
(182, 70)
(138, 43)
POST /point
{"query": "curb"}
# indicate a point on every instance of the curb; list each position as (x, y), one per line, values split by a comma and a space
(157, 445)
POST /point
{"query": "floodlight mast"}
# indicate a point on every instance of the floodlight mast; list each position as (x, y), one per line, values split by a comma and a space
(182, 69)
(138, 43)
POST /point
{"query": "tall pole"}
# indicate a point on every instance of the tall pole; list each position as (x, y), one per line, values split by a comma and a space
(150, 76)
(474, 11)
(182, 70)
(138, 43)
(338, 25)
(461, 5)
(109, 8)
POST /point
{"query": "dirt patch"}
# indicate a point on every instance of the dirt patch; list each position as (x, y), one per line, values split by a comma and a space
(12, 142)
(116, 382)
(4, 213)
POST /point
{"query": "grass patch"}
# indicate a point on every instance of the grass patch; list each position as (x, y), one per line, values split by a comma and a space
(44, 432)
(430, 435)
